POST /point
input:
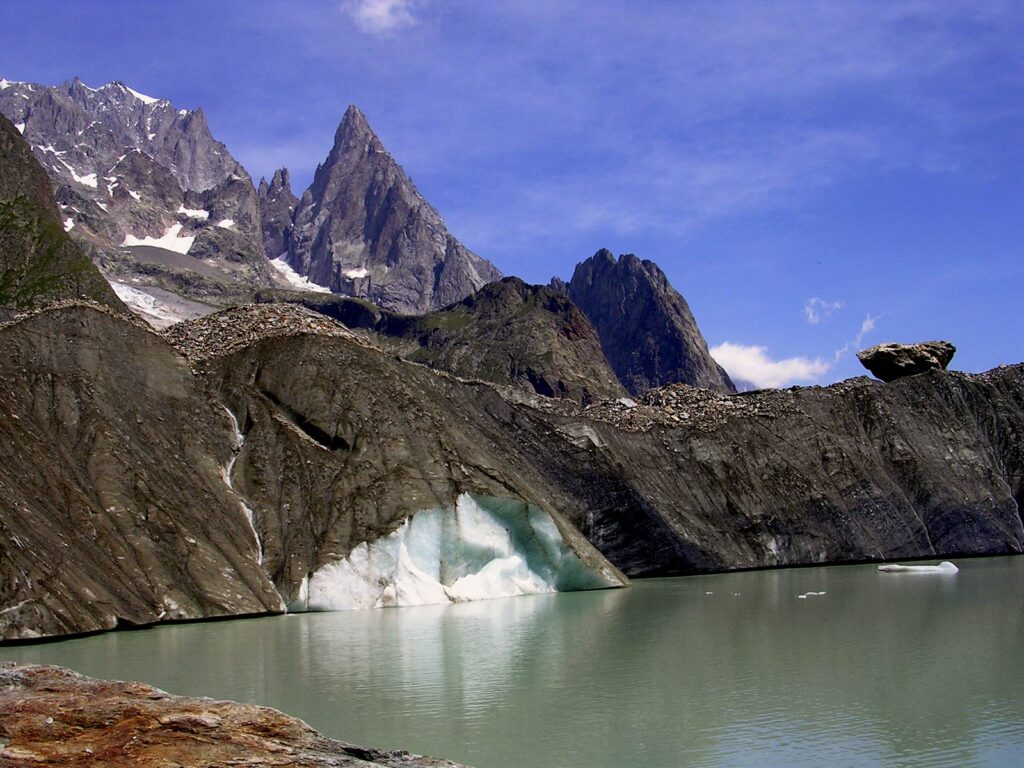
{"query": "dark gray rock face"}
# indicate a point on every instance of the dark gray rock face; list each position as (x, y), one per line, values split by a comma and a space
(647, 330)
(119, 513)
(53, 716)
(39, 263)
(363, 230)
(138, 515)
(277, 205)
(508, 332)
(889, 362)
(129, 169)
(857, 471)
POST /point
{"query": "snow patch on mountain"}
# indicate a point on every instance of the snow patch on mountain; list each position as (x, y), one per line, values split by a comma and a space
(20, 127)
(141, 96)
(69, 224)
(193, 213)
(226, 223)
(157, 313)
(356, 274)
(169, 240)
(293, 278)
(481, 548)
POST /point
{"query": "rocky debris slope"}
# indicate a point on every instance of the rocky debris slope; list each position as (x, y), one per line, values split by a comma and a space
(362, 229)
(53, 716)
(239, 484)
(508, 332)
(38, 261)
(889, 362)
(232, 329)
(141, 183)
(646, 328)
(927, 466)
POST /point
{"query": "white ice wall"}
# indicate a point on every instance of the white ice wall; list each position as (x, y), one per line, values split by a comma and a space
(482, 547)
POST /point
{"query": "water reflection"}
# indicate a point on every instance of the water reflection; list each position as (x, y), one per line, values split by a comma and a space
(881, 670)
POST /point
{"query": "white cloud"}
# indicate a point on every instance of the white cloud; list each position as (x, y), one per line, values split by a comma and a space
(866, 327)
(817, 309)
(752, 364)
(382, 17)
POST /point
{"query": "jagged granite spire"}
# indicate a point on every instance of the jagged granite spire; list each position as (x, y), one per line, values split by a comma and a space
(277, 203)
(646, 328)
(363, 230)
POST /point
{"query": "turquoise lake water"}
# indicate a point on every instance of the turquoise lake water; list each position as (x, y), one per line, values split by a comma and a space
(724, 670)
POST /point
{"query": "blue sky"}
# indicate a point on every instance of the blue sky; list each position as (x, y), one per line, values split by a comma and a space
(812, 177)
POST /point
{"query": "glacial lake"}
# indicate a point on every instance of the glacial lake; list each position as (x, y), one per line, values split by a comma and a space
(724, 670)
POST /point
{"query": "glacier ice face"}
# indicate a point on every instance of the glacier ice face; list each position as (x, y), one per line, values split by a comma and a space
(483, 547)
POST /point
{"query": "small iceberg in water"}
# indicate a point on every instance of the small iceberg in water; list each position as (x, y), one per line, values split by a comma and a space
(944, 567)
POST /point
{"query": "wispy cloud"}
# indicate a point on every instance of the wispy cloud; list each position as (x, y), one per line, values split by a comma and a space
(754, 365)
(381, 17)
(816, 309)
(867, 326)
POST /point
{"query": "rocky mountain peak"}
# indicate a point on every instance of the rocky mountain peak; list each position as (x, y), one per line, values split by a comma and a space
(142, 185)
(362, 229)
(39, 263)
(282, 181)
(354, 132)
(646, 328)
(277, 202)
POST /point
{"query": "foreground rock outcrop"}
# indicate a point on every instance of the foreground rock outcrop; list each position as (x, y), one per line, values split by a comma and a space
(51, 716)
(889, 362)
(267, 449)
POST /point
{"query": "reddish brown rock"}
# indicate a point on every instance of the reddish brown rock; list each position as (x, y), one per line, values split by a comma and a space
(51, 716)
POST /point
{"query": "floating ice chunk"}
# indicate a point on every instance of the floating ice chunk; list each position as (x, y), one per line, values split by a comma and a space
(193, 213)
(356, 274)
(226, 223)
(169, 240)
(293, 278)
(481, 548)
(944, 567)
